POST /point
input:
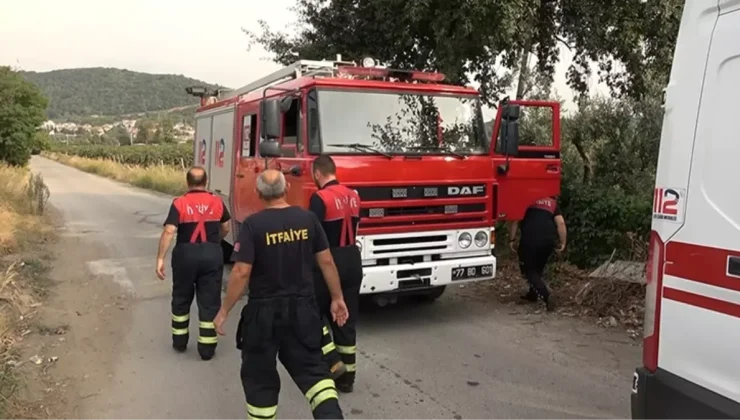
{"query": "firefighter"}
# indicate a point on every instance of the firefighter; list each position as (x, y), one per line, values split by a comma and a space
(201, 221)
(338, 209)
(541, 227)
(274, 257)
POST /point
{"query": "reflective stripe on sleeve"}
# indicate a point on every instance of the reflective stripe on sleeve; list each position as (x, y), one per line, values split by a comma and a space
(328, 348)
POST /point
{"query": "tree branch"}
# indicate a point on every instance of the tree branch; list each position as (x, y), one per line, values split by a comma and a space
(564, 42)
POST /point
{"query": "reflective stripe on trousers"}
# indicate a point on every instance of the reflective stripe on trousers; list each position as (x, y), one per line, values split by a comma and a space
(207, 333)
(323, 390)
(264, 413)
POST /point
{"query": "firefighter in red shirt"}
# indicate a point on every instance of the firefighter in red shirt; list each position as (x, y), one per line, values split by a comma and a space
(201, 221)
(338, 209)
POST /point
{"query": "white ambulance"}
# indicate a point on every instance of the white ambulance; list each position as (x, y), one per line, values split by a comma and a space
(691, 349)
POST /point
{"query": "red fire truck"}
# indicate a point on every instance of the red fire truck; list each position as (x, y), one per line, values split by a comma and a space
(433, 183)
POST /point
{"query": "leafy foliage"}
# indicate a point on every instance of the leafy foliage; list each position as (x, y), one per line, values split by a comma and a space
(144, 155)
(610, 151)
(630, 40)
(603, 220)
(109, 91)
(21, 110)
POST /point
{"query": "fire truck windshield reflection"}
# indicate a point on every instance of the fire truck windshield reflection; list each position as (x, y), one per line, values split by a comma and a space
(400, 123)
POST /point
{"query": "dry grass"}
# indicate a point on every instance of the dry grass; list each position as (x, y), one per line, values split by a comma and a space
(24, 226)
(162, 178)
(610, 303)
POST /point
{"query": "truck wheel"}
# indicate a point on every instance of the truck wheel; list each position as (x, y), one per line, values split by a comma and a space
(432, 294)
(226, 249)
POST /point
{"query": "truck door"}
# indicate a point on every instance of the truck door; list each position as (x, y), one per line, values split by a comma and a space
(531, 168)
(245, 201)
(292, 146)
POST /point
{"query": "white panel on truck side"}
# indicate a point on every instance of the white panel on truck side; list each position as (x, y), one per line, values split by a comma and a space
(700, 326)
(202, 144)
(222, 155)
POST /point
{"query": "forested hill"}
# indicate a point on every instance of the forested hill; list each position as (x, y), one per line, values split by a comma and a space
(110, 91)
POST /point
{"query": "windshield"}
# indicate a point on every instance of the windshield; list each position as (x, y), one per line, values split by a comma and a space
(393, 123)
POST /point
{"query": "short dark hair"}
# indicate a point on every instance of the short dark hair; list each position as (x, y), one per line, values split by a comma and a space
(196, 177)
(325, 165)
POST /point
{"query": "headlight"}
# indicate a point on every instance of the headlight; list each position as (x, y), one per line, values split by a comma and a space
(481, 239)
(464, 240)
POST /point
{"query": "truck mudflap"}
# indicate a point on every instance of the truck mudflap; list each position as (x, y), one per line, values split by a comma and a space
(663, 395)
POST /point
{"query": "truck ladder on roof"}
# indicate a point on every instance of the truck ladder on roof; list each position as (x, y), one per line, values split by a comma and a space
(293, 71)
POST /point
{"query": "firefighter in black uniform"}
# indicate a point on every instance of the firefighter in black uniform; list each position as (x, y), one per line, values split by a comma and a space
(277, 247)
(201, 221)
(338, 209)
(541, 227)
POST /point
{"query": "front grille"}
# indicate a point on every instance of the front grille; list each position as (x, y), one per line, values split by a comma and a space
(409, 247)
(378, 212)
(416, 192)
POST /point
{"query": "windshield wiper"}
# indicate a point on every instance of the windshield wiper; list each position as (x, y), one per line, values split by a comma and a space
(359, 146)
(440, 148)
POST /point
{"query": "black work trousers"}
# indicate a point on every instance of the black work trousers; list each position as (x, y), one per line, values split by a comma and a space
(533, 256)
(197, 271)
(344, 345)
(288, 328)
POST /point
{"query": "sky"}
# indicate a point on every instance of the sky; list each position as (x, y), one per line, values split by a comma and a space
(198, 39)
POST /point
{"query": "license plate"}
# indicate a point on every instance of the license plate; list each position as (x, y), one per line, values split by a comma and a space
(471, 272)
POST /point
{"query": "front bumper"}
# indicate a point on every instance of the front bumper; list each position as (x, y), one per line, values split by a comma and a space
(663, 395)
(423, 275)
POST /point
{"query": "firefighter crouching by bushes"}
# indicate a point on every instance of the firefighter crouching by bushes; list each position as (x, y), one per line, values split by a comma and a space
(274, 257)
(201, 221)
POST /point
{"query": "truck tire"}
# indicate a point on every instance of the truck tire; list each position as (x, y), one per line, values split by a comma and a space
(432, 294)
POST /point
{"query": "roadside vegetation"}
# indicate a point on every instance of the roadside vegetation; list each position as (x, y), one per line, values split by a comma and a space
(25, 227)
(168, 179)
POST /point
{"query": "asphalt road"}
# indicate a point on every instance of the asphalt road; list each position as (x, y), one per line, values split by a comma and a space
(456, 358)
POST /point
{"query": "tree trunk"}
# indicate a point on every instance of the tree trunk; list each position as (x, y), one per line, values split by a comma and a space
(577, 141)
(521, 87)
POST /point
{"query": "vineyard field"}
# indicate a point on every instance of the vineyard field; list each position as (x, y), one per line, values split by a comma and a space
(143, 155)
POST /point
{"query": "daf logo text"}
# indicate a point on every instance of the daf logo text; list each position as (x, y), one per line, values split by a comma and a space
(466, 190)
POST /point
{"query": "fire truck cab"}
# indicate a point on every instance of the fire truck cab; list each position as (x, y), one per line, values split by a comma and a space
(416, 150)
(692, 307)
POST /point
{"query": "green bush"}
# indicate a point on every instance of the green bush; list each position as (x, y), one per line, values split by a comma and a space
(602, 221)
(144, 155)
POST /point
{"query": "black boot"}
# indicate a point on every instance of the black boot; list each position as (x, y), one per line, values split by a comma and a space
(550, 303)
(530, 296)
(345, 383)
(180, 348)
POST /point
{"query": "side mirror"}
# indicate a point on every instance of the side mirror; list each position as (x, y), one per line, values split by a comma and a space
(270, 119)
(270, 149)
(285, 103)
(509, 135)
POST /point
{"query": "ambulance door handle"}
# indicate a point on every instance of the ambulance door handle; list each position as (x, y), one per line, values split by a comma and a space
(733, 265)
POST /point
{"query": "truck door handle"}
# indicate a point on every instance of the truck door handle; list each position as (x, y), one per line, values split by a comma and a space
(553, 169)
(733, 265)
(240, 175)
(218, 191)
